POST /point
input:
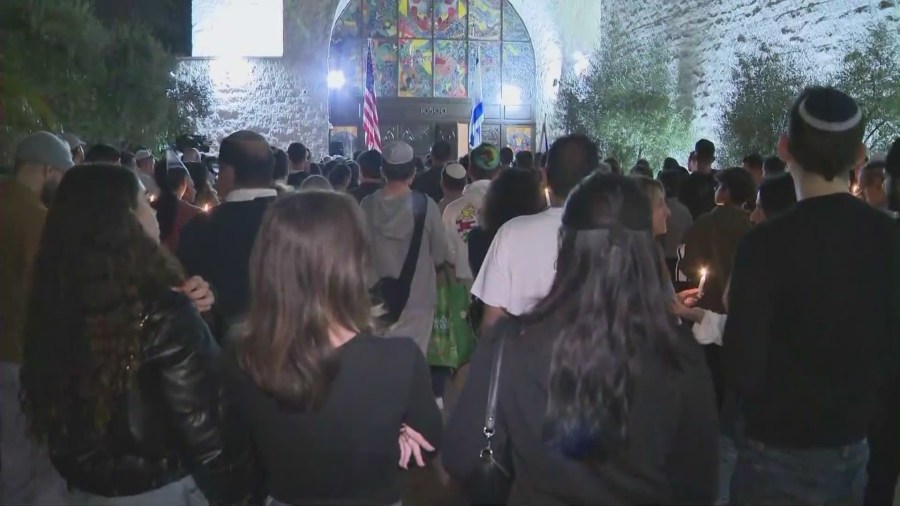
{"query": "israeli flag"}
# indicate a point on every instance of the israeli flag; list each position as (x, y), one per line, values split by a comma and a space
(477, 107)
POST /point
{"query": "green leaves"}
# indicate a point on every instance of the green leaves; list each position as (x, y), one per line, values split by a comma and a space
(626, 101)
(765, 85)
(871, 74)
(64, 70)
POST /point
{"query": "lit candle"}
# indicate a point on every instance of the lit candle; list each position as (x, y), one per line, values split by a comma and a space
(703, 272)
(205, 208)
(547, 196)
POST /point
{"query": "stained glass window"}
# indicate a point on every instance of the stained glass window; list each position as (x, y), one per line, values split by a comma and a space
(415, 68)
(513, 27)
(484, 19)
(427, 48)
(519, 138)
(414, 18)
(384, 52)
(518, 73)
(380, 17)
(450, 68)
(450, 19)
(490, 69)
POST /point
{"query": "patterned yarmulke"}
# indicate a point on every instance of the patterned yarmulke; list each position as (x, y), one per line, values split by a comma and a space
(485, 157)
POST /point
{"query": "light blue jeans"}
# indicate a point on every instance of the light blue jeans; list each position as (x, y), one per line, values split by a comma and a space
(179, 493)
(27, 475)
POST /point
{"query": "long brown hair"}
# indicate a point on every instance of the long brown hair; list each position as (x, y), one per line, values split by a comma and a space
(307, 274)
(96, 273)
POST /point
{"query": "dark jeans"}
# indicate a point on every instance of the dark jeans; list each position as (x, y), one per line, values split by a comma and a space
(827, 476)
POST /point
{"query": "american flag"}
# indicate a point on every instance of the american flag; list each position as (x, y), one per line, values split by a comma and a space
(370, 106)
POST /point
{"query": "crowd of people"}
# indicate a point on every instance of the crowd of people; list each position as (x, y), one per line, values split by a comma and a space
(259, 328)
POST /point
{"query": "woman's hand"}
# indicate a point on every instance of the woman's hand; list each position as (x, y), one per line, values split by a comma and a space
(198, 290)
(689, 298)
(681, 310)
(411, 445)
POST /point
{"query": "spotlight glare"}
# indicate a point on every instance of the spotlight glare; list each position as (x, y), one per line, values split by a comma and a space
(336, 79)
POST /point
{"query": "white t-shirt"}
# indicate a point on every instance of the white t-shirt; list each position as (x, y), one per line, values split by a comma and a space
(521, 262)
(461, 216)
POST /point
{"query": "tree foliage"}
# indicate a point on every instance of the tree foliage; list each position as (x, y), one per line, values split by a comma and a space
(626, 101)
(871, 74)
(63, 70)
(765, 85)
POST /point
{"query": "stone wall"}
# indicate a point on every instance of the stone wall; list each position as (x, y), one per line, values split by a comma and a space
(707, 34)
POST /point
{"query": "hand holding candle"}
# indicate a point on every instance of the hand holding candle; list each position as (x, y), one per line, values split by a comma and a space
(703, 273)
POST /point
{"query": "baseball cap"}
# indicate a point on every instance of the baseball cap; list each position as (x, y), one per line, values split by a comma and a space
(485, 157)
(73, 140)
(44, 148)
(397, 153)
(142, 154)
(455, 171)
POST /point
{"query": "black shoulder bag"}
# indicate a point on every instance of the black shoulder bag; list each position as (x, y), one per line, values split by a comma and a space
(394, 292)
(491, 481)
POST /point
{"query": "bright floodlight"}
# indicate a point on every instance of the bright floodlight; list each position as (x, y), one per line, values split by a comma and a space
(510, 95)
(336, 79)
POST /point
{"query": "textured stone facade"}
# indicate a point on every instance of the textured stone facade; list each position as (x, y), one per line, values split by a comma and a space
(707, 34)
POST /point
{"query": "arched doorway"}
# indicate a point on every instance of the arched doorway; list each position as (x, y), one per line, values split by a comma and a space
(423, 50)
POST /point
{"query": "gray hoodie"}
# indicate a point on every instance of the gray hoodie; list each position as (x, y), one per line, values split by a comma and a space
(389, 222)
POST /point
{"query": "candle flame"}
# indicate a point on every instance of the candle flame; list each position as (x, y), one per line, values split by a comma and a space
(547, 196)
(703, 272)
(205, 208)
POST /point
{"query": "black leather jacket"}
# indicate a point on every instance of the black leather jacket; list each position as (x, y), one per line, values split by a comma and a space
(172, 423)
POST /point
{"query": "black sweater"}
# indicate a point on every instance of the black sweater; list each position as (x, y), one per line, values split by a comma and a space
(217, 247)
(347, 451)
(671, 456)
(811, 341)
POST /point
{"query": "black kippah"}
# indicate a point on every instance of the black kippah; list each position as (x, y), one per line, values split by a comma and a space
(830, 110)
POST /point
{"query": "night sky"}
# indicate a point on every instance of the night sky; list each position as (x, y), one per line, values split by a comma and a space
(169, 20)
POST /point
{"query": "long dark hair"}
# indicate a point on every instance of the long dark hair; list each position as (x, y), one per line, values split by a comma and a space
(515, 192)
(96, 273)
(307, 273)
(169, 180)
(608, 302)
(200, 176)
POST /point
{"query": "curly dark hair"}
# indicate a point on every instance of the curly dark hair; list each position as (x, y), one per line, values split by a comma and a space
(610, 308)
(96, 273)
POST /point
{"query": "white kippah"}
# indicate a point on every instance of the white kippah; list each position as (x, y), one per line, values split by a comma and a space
(455, 170)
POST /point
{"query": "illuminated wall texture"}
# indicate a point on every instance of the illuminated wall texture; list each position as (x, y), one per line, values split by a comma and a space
(707, 34)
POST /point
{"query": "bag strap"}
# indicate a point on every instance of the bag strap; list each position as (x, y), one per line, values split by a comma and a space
(490, 414)
(420, 209)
